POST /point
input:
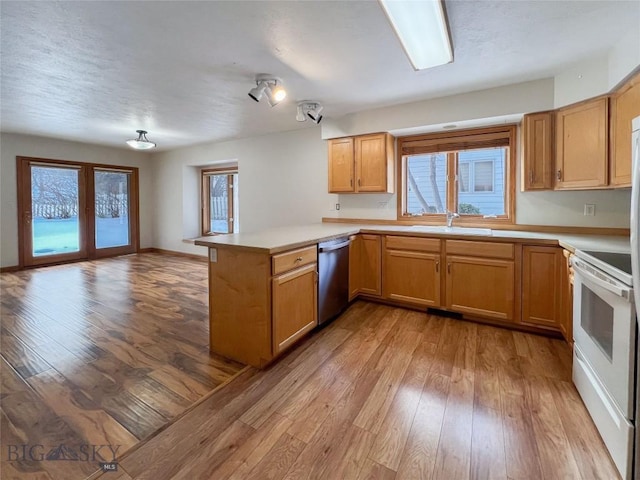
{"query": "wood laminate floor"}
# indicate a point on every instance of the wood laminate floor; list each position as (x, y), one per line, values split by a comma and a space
(100, 353)
(386, 393)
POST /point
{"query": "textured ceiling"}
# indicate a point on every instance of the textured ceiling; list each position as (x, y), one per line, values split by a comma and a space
(97, 71)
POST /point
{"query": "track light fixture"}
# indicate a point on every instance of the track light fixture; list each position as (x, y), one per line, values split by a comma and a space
(271, 86)
(142, 142)
(311, 110)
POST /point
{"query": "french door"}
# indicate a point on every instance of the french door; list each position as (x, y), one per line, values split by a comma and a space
(72, 211)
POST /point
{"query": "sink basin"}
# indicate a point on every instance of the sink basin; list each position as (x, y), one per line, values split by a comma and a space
(451, 230)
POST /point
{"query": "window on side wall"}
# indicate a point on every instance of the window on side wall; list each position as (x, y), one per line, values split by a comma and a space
(468, 172)
(219, 201)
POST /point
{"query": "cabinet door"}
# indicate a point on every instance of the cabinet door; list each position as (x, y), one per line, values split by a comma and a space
(370, 271)
(537, 170)
(481, 287)
(412, 277)
(625, 106)
(374, 163)
(355, 249)
(341, 164)
(541, 286)
(582, 145)
(295, 305)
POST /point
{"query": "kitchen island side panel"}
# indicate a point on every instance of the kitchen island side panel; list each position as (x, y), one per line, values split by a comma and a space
(240, 305)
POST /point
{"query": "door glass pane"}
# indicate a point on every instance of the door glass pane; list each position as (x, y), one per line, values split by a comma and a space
(426, 183)
(54, 210)
(112, 209)
(219, 202)
(484, 174)
(597, 320)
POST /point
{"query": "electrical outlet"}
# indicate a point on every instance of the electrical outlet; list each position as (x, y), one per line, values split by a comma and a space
(589, 209)
(382, 204)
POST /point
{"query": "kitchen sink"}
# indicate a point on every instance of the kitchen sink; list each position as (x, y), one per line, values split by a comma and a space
(451, 230)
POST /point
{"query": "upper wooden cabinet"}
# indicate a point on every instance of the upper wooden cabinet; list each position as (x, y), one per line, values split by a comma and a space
(341, 165)
(537, 169)
(624, 107)
(582, 145)
(362, 164)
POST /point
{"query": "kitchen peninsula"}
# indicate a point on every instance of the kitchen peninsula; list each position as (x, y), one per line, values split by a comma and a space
(263, 285)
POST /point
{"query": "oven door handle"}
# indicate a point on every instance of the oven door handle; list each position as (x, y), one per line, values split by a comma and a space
(619, 291)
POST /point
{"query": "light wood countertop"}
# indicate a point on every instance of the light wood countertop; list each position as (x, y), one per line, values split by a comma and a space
(277, 240)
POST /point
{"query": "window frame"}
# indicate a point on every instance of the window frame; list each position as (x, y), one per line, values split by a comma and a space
(450, 143)
(205, 198)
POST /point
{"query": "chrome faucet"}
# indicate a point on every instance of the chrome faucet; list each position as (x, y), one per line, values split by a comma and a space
(450, 217)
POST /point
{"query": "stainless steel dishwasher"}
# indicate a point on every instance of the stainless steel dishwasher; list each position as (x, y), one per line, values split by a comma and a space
(333, 278)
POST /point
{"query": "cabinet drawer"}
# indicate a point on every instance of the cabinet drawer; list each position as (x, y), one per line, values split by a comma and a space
(412, 243)
(293, 259)
(480, 249)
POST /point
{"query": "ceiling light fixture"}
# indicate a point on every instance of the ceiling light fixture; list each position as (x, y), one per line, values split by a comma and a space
(422, 30)
(309, 109)
(271, 86)
(142, 142)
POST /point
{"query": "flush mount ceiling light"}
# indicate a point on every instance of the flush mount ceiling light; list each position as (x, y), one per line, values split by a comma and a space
(422, 30)
(269, 86)
(142, 142)
(309, 109)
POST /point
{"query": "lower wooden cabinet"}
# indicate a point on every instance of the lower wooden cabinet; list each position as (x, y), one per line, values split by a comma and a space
(295, 305)
(482, 287)
(541, 286)
(260, 304)
(365, 265)
(411, 271)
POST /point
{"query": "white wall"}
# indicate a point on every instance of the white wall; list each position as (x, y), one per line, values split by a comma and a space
(12, 145)
(282, 181)
(582, 80)
(494, 102)
(624, 57)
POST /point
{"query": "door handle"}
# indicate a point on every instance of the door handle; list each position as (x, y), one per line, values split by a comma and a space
(358, 182)
(559, 175)
(531, 177)
(449, 267)
(437, 266)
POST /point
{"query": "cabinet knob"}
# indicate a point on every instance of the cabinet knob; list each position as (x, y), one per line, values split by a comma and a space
(437, 266)
(351, 182)
(531, 177)
(299, 259)
(358, 182)
(449, 267)
(559, 175)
